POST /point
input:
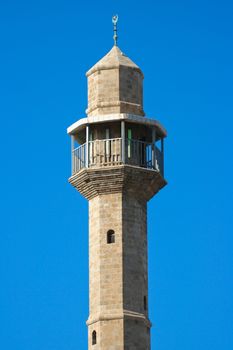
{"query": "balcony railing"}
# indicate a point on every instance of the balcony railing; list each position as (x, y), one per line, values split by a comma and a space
(110, 152)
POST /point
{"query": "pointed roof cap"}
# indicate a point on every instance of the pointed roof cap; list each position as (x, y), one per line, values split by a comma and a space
(114, 59)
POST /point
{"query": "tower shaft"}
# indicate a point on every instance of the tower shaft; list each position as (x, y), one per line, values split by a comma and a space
(118, 272)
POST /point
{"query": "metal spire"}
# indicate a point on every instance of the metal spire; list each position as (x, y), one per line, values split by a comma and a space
(114, 21)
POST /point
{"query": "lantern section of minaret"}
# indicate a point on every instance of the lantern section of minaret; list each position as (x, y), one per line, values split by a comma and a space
(117, 165)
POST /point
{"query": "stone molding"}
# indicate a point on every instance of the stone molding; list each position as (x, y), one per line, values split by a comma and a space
(118, 104)
(126, 314)
(95, 181)
(111, 66)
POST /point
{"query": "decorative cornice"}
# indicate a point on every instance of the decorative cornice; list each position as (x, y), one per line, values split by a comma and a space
(121, 104)
(94, 181)
(116, 65)
(126, 314)
(105, 118)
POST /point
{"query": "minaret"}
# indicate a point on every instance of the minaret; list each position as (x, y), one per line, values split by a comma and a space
(117, 165)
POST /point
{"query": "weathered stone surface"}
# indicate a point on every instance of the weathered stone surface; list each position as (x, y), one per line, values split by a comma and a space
(115, 85)
(118, 272)
(92, 182)
(118, 194)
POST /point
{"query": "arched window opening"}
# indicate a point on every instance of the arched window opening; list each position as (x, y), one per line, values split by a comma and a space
(145, 303)
(110, 237)
(94, 338)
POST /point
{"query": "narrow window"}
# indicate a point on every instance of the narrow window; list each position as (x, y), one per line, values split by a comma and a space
(94, 340)
(145, 303)
(110, 237)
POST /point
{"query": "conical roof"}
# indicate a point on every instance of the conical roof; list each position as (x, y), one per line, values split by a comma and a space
(114, 58)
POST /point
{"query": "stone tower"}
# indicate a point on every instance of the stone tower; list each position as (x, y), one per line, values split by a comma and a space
(117, 165)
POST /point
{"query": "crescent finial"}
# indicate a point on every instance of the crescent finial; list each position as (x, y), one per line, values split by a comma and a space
(114, 21)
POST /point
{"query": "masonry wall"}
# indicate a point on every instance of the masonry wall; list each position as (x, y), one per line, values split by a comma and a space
(115, 90)
(135, 273)
(135, 277)
(131, 85)
(105, 272)
(118, 273)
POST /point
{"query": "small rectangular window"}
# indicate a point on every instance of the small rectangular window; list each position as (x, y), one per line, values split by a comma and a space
(110, 237)
(94, 338)
(145, 303)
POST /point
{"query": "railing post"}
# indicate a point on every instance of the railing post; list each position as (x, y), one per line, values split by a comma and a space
(87, 146)
(153, 148)
(123, 141)
(162, 153)
(72, 155)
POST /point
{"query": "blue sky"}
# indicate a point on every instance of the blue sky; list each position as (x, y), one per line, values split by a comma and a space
(185, 51)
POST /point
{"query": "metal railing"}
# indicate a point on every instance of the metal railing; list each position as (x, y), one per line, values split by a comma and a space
(78, 158)
(105, 152)
(108, 152)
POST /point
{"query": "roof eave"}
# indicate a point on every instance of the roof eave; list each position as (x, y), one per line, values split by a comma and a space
(131, 118)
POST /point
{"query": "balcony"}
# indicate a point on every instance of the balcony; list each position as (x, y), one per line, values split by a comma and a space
(113, 152)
